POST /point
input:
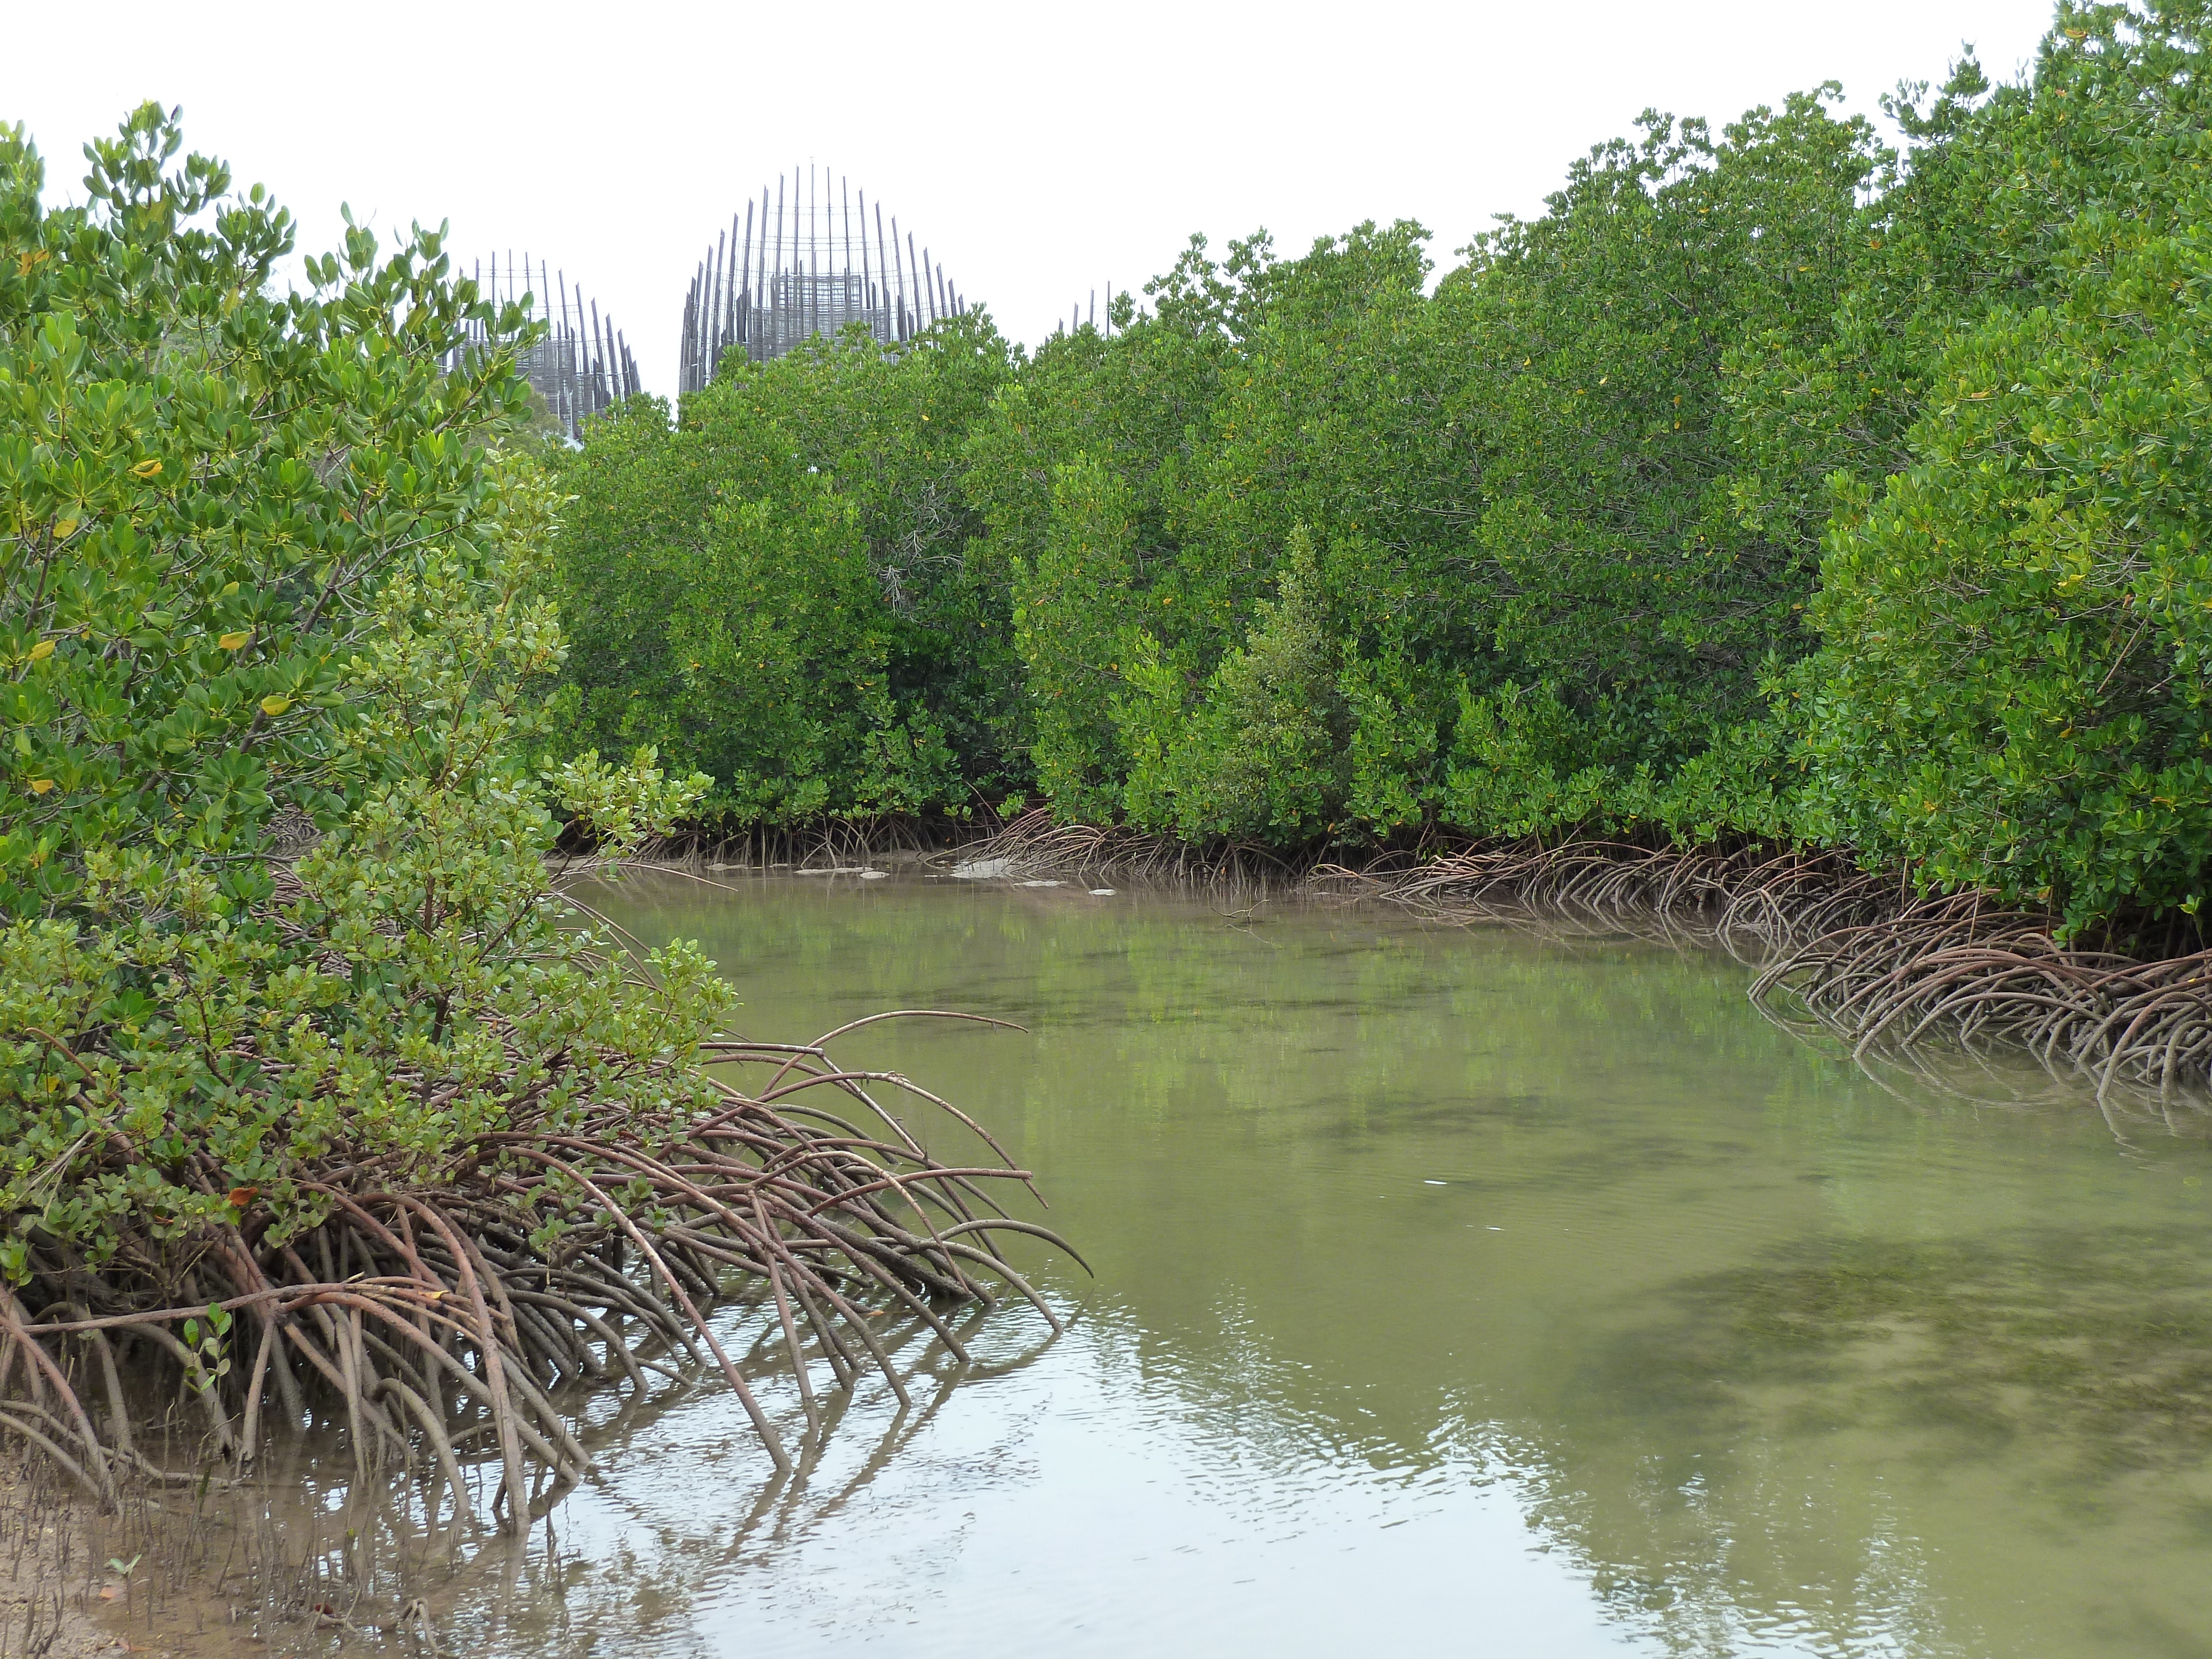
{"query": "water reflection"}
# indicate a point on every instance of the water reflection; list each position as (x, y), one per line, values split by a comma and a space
(1452, 1289)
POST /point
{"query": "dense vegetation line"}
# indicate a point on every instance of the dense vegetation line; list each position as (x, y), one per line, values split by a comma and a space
(1771, 486)
(320, 1090)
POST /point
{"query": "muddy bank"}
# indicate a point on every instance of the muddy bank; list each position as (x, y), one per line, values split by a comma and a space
(47, 1580)
(161, 1576)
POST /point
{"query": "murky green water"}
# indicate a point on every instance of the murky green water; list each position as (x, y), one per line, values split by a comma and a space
(1456, 1292)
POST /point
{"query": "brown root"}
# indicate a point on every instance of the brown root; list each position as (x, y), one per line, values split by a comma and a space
(1035, 844)
(437, 1316)
(1844, 952)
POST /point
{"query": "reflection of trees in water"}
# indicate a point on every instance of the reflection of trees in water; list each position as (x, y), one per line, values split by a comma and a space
(331, 1561)
(1697, 1467)
(1828, 1445)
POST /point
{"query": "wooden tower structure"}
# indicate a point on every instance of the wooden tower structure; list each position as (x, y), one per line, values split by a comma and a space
(810, 256)
(582, 365)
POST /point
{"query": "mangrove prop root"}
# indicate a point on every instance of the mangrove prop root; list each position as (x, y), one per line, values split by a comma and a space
(1035, 844)
(1847, 952)
(422, 1316)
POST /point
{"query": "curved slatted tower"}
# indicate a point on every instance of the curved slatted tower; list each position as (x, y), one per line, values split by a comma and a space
(583, 364)
(812, 255)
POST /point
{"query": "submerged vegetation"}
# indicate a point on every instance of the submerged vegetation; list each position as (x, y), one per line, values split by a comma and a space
(321, 1089)
(1772, 486)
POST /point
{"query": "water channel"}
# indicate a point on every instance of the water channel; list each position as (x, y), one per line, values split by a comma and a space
(1456, 1291)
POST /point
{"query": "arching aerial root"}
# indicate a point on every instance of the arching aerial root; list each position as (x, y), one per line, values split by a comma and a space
(1037, 844)
(435, 1322)
(1844, 952)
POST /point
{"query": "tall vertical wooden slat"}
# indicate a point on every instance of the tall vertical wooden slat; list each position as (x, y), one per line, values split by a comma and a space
(712, 298)
(775, 271)
(867, 276)
(898, 302)
(702, 346)
(566, 411)
(599, 364)
(574, 378)
(541, 354)
(744, 320)
(683, 347)
(725, 293)
(884, 277)
(727, 323)
(707, 313)
(688, 381)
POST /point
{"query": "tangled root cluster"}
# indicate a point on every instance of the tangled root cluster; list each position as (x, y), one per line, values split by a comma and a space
(1037, 844)
(436, 1324)
(1845, 952)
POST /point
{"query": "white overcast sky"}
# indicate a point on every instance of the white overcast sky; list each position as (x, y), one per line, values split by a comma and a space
(1041, 150)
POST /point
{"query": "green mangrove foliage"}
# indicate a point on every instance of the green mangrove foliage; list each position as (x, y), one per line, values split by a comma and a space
(1771, 484)
(309, 1050)
(2010, 690)
(775, 590)
(274, 915)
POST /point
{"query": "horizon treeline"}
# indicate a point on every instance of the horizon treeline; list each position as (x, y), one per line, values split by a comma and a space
(1772, 485)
